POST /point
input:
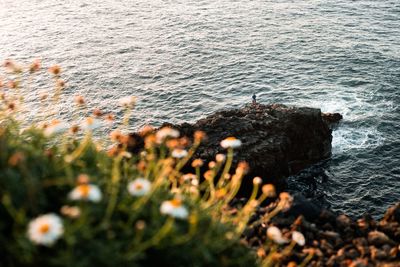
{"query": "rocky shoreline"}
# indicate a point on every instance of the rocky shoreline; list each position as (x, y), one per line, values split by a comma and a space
(335, 240)
(279, 141)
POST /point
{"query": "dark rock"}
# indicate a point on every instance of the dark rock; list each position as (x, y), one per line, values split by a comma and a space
(332, 118)
(277, 140)
(343, 222)
(393, 214)
(303, 206)
(377, 238)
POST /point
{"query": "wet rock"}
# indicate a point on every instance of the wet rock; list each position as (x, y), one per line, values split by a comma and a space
(377, 254)
(303, 206)
(377, 238)
(343, 221)
(352, 254)
(277, 140)
(359, 263)
(332, 237)
(332, 118)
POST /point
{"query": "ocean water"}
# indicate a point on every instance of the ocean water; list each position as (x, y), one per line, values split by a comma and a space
(185, 59)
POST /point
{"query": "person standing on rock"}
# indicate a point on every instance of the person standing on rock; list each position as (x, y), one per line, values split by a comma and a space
(254, 99)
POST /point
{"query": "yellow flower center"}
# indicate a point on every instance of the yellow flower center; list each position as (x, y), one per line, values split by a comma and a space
(231, 138)
(84, 190)
(176, 203)
(44, 228)
(138, 186)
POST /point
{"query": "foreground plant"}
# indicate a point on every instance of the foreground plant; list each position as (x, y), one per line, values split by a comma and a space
(69, 198)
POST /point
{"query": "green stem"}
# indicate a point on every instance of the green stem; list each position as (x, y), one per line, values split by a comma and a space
(115, 179)
(228, 163)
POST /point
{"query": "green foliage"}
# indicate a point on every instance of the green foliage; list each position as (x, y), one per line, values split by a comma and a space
(37, 173)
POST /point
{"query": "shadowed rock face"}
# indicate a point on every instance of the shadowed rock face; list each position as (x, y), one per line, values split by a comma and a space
(277, 140)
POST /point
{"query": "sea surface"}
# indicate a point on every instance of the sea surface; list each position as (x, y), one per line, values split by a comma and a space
(185, 59)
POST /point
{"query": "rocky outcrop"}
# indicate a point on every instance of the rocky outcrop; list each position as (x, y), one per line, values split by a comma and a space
(337, 240)
(277, 140)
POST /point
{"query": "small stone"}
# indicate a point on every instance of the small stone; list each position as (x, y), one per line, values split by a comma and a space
(352, 254)
(394, 252)
(377, 238)
(359, 263)
(342, 221)
(377, 254)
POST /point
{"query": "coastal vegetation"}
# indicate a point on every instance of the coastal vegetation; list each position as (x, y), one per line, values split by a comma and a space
(72, 197)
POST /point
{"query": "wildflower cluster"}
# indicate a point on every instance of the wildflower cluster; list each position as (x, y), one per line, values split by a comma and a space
(65, 194)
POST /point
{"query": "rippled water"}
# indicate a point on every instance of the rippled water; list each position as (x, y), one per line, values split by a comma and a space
(185, 59)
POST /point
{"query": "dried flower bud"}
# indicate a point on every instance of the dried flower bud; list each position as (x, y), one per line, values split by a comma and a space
(79, 100)
(55, 70)
(150, 141)
(141, 166)
(197, 163)
(16, 159)
(97, 112)
(140, 225)
(60, 83)
(172, 143)
(269, 190)
(145, 130)
(184, 141)
(208, 175)
(116, 135)
(12, 106)
(199, 136)
(285, 201)
(212, 164)
(11, 66)
(220, 158)
(242, 168)
(74, 129)
(261, 252)
(109, 118)
(35, 66)
(12, 84)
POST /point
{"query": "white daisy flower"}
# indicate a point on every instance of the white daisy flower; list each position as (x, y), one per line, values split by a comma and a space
(86, 192)
(298, 238)
(166, 132)
(139, 187)
(45, 229)
(127, 101)
(91, 123)
(174, 208)
(275, 234)
(231, 142)
(55, 127)
(179, 153)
